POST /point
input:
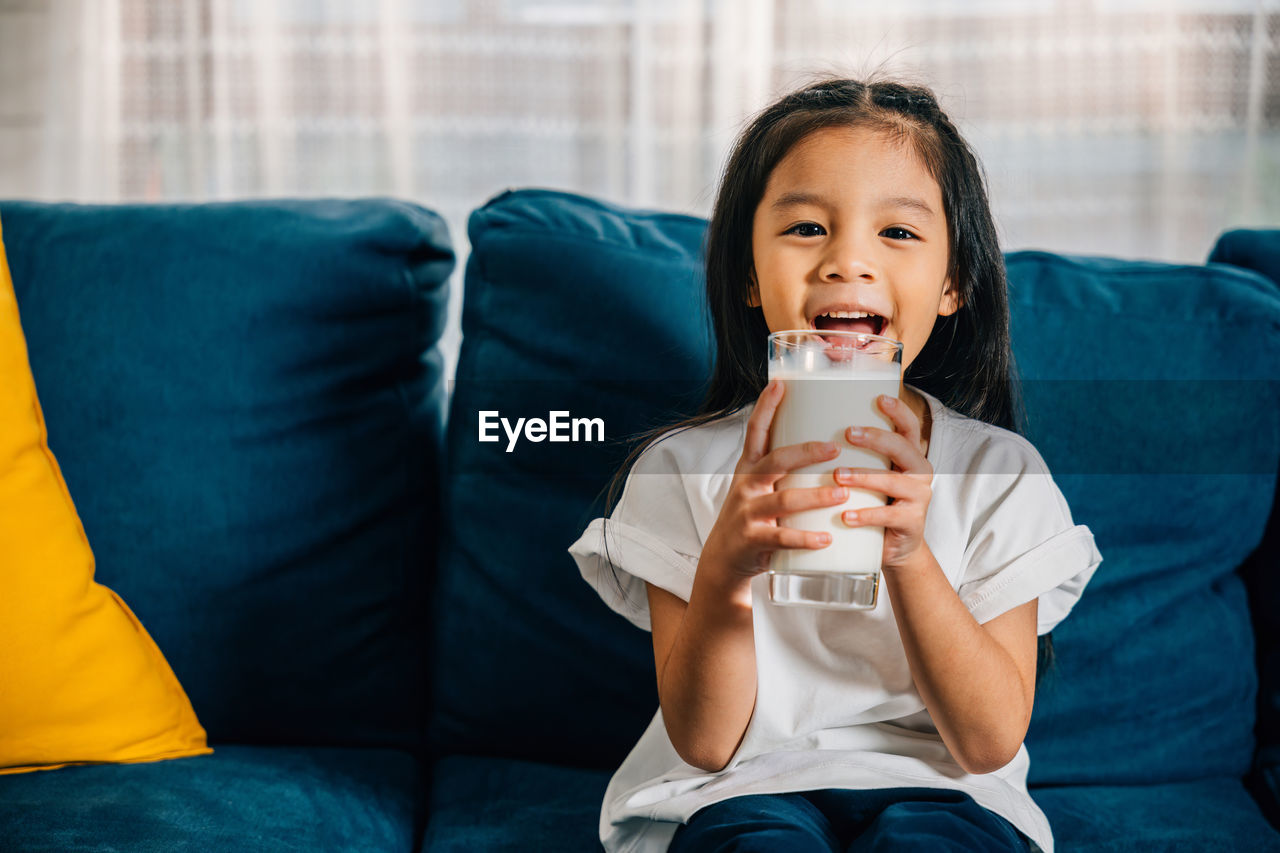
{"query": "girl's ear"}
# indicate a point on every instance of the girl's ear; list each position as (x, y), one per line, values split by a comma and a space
(951, 299)
(753, 291)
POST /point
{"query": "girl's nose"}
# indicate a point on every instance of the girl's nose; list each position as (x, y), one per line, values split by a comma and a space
(849, 259)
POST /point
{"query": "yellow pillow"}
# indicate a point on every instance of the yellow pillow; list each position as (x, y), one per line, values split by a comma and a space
(81, 681)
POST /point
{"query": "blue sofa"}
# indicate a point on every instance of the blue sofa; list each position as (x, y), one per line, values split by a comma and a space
(373, 611)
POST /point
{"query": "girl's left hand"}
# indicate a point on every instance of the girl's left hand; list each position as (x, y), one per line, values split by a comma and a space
(908, 484)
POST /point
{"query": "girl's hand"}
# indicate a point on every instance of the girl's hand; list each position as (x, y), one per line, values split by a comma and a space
(747, 531)
(908, 484)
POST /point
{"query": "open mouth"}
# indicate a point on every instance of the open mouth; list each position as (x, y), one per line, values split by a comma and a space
(850, 321)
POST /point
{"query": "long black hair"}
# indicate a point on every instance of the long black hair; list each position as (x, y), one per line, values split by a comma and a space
(967, 362)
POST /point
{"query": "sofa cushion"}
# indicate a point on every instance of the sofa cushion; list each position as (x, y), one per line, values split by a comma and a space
(1259, 250)
(570, 305)
(242, 399)
(1211, 815)
(1255, 249)
(1150, 394)
(240, 798)
(83, 681)
(1154, 675)
(498, 804)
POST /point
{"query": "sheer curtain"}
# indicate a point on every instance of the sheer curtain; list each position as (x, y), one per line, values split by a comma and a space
(1139, 128)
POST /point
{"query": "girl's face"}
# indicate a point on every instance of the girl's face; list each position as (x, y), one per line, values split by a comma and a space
(851, 220)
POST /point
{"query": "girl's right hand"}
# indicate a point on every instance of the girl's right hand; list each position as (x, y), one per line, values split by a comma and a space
(747, 530)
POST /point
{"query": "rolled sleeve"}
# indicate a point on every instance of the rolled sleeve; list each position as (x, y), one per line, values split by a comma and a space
(633, 556)
(1026, 545)
(1056, 572)
(650, 536)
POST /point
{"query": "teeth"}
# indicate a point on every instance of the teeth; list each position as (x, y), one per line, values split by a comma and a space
(849, 315)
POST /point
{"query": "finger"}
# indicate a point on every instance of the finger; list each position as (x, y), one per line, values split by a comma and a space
(905, 421)
(782, 460)
(785, 537)
(789, 501)
(894, 515)
(898, 448)
(898, 485)
(756, 442)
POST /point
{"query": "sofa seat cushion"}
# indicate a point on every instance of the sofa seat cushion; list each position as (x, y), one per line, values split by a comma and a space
(497, 804)
(242, 798)
(1212, 815)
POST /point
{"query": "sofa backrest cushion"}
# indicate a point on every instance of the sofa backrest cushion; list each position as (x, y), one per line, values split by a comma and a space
(83, 681)
(582, 307)
(1258, 249)
(247, 412)
(1154, 676)
(1150, 392)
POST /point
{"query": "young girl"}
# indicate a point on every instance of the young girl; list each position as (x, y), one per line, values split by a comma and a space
(795, 728)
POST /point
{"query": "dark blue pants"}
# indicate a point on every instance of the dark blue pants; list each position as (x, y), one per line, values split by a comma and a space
(849, 821)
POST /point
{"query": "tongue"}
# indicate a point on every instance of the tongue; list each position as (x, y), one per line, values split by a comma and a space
(865, 325)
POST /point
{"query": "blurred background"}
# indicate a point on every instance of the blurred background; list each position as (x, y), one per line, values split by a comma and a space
(1135, 128)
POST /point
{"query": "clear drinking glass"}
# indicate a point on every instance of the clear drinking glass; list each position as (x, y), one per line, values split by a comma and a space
(831, 382)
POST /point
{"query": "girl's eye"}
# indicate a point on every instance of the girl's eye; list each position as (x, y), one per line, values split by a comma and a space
(899, 234)
(806, 229)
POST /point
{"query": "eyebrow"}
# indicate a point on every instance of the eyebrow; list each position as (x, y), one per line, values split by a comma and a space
(909, 202)
(796, 199)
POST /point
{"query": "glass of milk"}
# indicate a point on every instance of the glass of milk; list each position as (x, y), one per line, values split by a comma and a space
(831, 381)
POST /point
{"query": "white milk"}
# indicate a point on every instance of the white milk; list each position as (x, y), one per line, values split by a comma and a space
(818, 405)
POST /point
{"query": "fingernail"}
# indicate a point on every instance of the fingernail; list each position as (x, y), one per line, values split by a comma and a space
(839, 493)
(844, 473)
(888, 401)
(857, 432)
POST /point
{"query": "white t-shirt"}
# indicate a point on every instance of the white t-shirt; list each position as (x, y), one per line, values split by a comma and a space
(836, 706)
